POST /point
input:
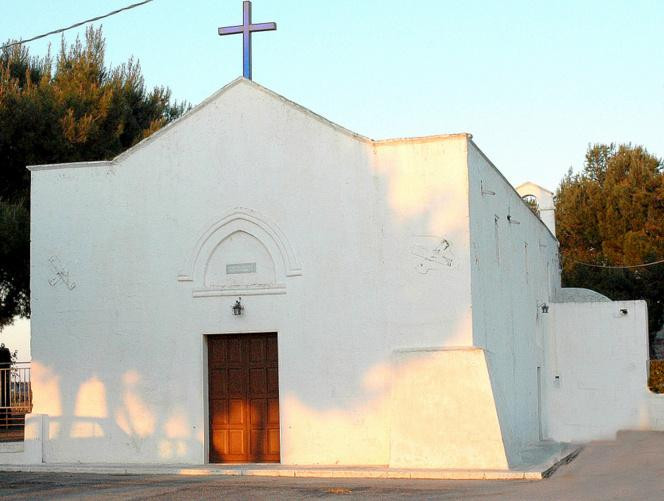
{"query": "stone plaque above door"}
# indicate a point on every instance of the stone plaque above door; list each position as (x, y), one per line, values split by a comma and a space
(240, 261)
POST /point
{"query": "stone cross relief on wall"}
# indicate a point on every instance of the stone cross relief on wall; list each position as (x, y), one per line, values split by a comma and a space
(61, 274)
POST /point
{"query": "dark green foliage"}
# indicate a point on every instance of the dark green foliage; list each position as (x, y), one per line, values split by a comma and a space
(532, 204)
(14, 260)
(612, 214)
(73, 108)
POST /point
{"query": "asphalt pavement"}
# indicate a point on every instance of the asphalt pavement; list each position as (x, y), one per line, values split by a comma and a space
(632, 467)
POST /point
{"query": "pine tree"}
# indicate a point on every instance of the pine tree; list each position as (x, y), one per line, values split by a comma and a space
(68, 109)
(612, 214)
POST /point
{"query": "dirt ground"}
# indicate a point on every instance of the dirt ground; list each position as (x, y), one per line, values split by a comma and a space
(630, 468)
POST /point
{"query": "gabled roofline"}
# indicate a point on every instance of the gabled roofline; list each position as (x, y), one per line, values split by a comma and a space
(191, 113)
(225, 88)
(308, 112)
(142, 143)
(534, 184)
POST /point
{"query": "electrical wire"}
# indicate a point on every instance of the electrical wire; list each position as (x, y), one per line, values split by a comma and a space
(76, 25)
(619, 267)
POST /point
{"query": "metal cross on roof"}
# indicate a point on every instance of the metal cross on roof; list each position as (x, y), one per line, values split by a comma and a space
(246, 28)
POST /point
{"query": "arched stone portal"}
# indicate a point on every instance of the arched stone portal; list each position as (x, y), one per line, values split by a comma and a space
(241, 254)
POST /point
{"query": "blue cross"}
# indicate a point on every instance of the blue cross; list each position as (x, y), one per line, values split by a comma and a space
(246, 28)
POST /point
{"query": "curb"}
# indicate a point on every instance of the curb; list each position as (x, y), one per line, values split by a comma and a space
(536, 473)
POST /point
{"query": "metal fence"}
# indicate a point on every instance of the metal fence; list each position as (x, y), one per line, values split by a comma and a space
(15, 400)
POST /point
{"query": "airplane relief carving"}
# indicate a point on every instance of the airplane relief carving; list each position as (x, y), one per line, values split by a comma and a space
(432, 253)
(61, 274)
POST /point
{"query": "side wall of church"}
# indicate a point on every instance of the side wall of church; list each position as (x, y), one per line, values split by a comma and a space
(361, 251)
(514, 271)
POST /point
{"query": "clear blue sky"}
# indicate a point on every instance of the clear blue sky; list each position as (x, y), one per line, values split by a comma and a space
(534, 82)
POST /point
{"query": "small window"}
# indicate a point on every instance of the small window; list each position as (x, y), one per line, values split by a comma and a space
(531, 201)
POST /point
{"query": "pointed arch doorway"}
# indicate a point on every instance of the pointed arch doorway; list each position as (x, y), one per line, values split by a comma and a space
(243, 392)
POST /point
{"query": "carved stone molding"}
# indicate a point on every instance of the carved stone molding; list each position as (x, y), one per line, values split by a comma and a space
(241, 220)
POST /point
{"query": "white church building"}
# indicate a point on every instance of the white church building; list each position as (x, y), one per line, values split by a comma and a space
(396, 303)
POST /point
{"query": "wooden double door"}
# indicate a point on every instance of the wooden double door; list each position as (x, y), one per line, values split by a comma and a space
(243, 385)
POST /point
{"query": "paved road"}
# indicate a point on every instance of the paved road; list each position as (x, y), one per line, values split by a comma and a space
(630, 468)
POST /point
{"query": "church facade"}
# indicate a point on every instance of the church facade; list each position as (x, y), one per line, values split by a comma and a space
(253, 283)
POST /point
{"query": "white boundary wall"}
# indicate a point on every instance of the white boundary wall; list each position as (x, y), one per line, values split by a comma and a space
(31, 450)
(596, 370)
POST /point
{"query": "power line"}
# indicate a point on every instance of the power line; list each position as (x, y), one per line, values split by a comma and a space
(619, 267)
(76, 25)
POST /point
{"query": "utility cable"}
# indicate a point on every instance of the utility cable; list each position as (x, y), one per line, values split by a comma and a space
(619, 267)
(76, 25)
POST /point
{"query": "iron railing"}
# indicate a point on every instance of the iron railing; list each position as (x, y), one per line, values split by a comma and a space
(15, 400)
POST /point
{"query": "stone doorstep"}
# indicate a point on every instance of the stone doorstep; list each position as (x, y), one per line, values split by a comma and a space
(536, 472)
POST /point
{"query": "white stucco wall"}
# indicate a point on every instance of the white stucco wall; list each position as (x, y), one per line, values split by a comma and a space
(423, 185)
(596, 370)
(514, 271)
(389, 269)
(355, 230)
(30, 450)
(450, 390)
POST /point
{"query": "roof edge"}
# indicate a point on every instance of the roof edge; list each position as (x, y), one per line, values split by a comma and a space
(271, 93)
(172, 124)
(70, 165)
(423, 139)
(194, 110)
(511, 186)
(142, 143)
(307, 111)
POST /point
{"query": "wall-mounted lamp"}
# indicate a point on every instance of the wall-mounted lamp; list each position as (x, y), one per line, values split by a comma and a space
(237, 307)
(544, 307)
(623, 311)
